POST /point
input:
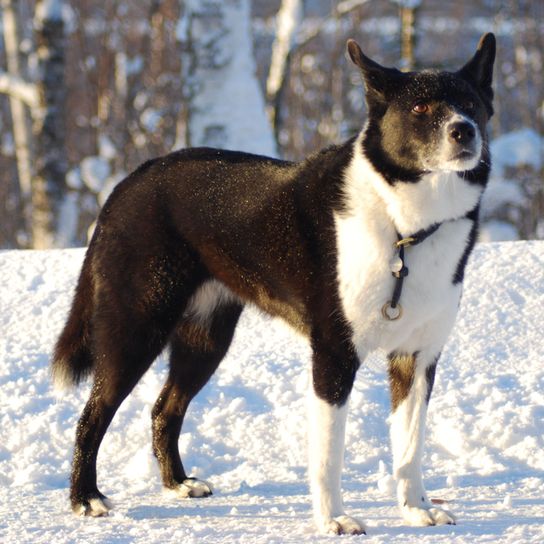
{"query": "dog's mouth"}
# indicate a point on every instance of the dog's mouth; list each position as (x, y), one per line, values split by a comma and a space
(465, 159)
(464, 155)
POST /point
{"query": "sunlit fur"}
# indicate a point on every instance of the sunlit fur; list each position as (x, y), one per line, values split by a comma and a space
(188, 239)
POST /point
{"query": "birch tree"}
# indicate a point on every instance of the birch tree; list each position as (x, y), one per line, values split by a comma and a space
(226, 105)
(21, 94)
(41, 154)
(287, 21)
(49, 131)
(408, 9)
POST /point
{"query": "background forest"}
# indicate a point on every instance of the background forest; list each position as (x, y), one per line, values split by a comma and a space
(90, 89)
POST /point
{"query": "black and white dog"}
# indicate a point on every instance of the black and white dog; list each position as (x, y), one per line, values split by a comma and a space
(188, 239)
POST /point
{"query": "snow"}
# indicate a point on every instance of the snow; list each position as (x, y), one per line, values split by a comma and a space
(518, 149)
(524, 146)
(106, 149)
(68, 219)
(73, 179)
(500, 192)
(349, 5)
(497, 231)
(410, 4)
(150, 119)
(94, 171)
(49, 9)
(245, 433)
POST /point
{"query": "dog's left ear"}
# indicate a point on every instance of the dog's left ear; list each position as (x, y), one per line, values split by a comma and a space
(479, 69)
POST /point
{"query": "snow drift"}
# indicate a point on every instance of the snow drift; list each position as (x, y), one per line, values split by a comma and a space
(245, 432)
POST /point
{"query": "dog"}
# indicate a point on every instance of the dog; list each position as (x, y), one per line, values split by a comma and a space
(361, 246)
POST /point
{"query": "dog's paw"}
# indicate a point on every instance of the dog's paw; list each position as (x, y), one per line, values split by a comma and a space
(95, 507)
(192, 488)
(343, 525)
(421, 517)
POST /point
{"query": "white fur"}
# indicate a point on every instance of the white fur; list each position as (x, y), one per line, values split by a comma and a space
(443, 160)
(407, 438)
(191, 488)
(98, 507)
(208, 297)
(61, 376)
(366, 234)
(326, 458)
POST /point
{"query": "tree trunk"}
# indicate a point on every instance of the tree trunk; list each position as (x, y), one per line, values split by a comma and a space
(287, 22)
(48, 185)
(408, 36)
(21, 132)
(227, 108)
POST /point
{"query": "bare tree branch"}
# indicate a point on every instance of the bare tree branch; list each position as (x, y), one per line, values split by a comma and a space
(16, 87)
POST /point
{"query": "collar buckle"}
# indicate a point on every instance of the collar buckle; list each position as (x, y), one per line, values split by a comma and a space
(405, 242)
(392, 310)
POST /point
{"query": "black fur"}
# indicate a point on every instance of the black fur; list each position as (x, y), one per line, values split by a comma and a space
(262, 227)
(397, 157)
(430, 374)
(471, 242)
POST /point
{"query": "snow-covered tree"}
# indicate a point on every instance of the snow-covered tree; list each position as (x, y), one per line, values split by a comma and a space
(287, 21)
(226, 105)
(144, 78)
(41, 155)
(48, 184)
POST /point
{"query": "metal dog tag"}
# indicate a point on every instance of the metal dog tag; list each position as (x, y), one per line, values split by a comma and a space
(396, 264)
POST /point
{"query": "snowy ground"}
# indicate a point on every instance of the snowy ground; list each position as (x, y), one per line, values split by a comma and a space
(245, 433)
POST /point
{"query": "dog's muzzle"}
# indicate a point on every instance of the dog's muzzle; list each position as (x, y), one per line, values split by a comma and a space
(464, 144)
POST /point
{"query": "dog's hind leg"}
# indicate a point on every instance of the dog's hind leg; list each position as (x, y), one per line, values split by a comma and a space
(411, 379)
(127, 349)
(136, 308)
(108, 392)
(198, 345)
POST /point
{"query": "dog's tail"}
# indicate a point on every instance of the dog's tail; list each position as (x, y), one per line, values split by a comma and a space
(72, 358)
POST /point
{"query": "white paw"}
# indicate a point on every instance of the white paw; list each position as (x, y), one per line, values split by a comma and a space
(421, 517)
(191, 487)
(95, 508)
(343, 525)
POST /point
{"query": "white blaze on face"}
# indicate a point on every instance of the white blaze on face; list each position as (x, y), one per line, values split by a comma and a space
(446, 159)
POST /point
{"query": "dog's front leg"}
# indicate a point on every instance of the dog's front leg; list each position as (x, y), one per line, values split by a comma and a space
(411, 380)
(327, 410)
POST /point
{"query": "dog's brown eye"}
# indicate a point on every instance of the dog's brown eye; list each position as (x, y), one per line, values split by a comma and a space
(420, 107)
(469, 105)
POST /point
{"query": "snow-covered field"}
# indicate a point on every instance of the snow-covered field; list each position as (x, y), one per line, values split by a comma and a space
(245, 432)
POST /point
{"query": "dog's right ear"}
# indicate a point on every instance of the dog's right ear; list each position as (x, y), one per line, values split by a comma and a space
(377, 78)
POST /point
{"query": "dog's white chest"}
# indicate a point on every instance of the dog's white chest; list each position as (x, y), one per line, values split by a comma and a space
(429, 296)
(365, 236)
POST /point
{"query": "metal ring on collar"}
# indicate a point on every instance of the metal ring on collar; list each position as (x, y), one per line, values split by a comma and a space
(387, 308)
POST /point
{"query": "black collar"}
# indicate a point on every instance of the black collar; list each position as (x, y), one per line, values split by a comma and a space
(392, 310)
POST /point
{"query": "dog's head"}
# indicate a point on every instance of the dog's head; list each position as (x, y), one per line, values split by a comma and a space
(428, 121)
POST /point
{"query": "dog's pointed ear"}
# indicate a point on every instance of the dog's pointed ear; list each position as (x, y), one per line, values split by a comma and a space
(376, 77)
(479, 69)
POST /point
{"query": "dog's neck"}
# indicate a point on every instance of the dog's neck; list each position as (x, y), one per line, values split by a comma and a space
(435, 198)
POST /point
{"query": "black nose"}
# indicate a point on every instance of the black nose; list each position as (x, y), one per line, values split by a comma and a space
(461, 132)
